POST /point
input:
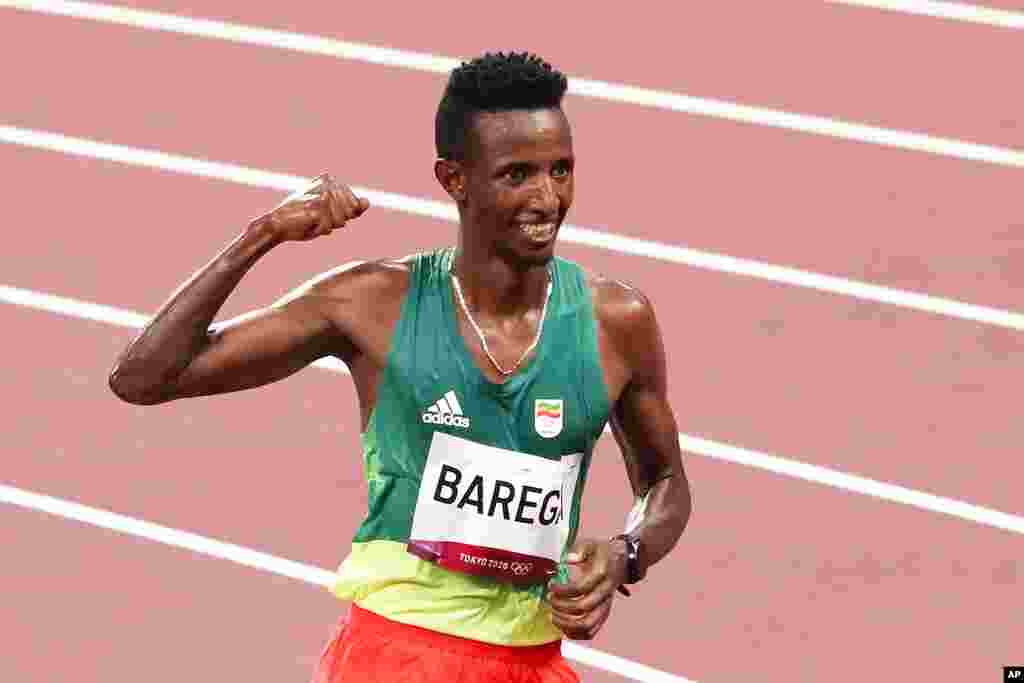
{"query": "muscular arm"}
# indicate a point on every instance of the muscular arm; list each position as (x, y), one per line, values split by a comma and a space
(645, 428)
(180, 353)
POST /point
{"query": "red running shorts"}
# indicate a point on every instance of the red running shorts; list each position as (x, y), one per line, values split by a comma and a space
(367, 647)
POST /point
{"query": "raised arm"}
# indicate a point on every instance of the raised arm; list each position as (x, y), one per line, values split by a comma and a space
(181, 353)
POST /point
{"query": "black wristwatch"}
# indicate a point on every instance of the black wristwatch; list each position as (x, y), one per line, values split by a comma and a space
(634, 568)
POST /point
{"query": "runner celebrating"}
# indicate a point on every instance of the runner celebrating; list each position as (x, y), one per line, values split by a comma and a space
(485, 373)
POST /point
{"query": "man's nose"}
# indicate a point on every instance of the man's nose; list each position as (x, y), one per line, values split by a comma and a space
(546, 198)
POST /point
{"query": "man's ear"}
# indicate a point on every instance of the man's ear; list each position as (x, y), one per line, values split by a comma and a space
(450, 174)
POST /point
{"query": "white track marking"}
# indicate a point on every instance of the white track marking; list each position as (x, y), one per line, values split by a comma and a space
(276, 565)
(569, 233)
(75, 308)
(689, 444)
(956, 11)
(855, 484)
(818, 125)
(166, 535)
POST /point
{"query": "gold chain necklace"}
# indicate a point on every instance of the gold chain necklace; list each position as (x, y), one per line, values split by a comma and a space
(480, 334)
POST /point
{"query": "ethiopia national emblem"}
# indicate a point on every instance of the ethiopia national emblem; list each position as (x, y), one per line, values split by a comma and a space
(547, 417)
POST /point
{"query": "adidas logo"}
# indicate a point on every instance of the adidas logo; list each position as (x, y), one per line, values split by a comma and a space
(446, 411)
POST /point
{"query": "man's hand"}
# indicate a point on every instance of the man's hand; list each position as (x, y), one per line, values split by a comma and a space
(313, 211)
(581, 606)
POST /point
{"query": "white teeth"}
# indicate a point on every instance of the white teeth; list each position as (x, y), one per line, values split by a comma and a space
(539, 230)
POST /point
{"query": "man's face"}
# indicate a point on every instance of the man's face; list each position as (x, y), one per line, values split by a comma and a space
(519, 181)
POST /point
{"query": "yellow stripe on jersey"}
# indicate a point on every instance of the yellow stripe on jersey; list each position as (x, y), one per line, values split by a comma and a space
(382, 577)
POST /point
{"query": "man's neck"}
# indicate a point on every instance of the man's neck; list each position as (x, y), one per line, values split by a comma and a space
(496, 288)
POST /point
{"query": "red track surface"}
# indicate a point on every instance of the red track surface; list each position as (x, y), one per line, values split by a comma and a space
(776, 579)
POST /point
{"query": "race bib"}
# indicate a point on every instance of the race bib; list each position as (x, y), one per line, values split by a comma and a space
(493, 512)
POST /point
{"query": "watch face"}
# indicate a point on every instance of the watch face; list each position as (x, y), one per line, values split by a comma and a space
(640, 569)
(634, 561)
(632, 558)
(634, 568)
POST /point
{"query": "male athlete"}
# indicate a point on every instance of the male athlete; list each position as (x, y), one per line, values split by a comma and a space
(485, 372)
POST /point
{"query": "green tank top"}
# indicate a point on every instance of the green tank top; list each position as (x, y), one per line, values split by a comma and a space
(556, 404)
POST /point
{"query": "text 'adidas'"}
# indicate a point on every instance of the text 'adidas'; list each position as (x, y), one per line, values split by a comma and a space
(446, 411)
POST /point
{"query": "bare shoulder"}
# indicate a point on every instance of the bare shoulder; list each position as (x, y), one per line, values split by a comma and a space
(359, 301)
(620, 308)
(628, 331)
(381, 281)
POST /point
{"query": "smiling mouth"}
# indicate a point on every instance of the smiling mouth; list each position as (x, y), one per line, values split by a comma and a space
(540, 232)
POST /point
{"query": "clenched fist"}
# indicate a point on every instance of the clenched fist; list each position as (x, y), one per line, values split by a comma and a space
(318, 209)
(580, 607)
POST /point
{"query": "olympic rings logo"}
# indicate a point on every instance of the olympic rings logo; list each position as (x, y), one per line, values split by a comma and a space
(521, 568)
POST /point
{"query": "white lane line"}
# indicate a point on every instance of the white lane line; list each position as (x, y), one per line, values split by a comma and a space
(276, 565)
(74, 308)
(956, 11)
(569, 233)
(613, 92)
(166, 535)
(855, 484)
(690, 444)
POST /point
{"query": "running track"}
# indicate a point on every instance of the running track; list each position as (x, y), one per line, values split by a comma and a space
(776, 578)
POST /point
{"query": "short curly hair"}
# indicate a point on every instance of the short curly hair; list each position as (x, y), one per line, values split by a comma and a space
(489, 83)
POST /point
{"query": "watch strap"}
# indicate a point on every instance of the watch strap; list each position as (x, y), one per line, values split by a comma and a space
(633, 574)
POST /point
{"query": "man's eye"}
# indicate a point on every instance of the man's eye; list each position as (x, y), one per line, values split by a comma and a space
(560, 171)
(516, 175)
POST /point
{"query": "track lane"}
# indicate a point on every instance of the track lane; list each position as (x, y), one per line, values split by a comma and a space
(999, 13)
(812, 377)
(713, 185)
(814, 59)
(83, 604)
(294, 489)
(842, 573)
(118, 616)
(779, 574)
(288, 644)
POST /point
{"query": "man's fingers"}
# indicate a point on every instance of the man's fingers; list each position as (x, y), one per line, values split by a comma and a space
(583, 626)
(319, 208)
(350, 197)
(344, 204)
(326, 222)
(336, 204)
(575, 586)
(582, 580)
(312, 208)
(581, 551)
(588, 619)
(586, 601)
(312, 188)
(355, 205)
(313, 211)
